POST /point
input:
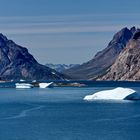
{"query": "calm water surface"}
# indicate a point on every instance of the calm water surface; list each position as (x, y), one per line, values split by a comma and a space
(61, 114)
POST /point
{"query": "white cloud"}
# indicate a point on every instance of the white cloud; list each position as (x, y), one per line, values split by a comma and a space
(65, 24)
(55, 30)
(56, 34)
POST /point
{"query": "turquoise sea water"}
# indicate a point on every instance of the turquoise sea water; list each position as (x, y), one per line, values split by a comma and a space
(61, 113)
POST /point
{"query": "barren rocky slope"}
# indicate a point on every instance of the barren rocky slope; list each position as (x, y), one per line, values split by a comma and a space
(127, 65)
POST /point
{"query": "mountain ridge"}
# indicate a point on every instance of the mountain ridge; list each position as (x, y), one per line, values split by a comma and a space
(104, 59)
(61, 67)
(17, 63)
(127, 65)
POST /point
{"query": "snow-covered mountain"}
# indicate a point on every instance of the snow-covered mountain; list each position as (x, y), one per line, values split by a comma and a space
(61, 67)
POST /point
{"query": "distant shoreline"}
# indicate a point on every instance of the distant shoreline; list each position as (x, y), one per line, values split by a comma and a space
(75, 83)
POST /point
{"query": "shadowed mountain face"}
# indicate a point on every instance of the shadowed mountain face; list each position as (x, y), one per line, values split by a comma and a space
(103, 59)
(17, 63)
(127, 65)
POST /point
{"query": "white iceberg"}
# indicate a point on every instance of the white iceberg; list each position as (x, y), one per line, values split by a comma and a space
(114, 94)
(23, 85)
(46, 85)
(22, 80)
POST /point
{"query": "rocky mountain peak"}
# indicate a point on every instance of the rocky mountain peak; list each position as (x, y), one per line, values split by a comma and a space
(103, 59)
(133, 29)
(2, 37)
(125, 32)
(122, 36)
(127, 65)
(17, 63)
(3, 40)
(136, 35)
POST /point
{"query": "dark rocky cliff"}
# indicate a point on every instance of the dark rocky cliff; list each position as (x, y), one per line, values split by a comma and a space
(17, 63)
(127, 65)
(103, 59)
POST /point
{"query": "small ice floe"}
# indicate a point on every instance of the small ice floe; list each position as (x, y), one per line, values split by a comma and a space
(46, 85)
(34, 81)
(114, 94)
(23, 85)
(22, 80)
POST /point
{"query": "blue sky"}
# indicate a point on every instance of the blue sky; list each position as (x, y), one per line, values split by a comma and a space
(66, 31)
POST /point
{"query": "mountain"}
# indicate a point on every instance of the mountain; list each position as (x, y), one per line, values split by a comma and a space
(17, 63)
(61, 67)
(127, 65)
(103, 59)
